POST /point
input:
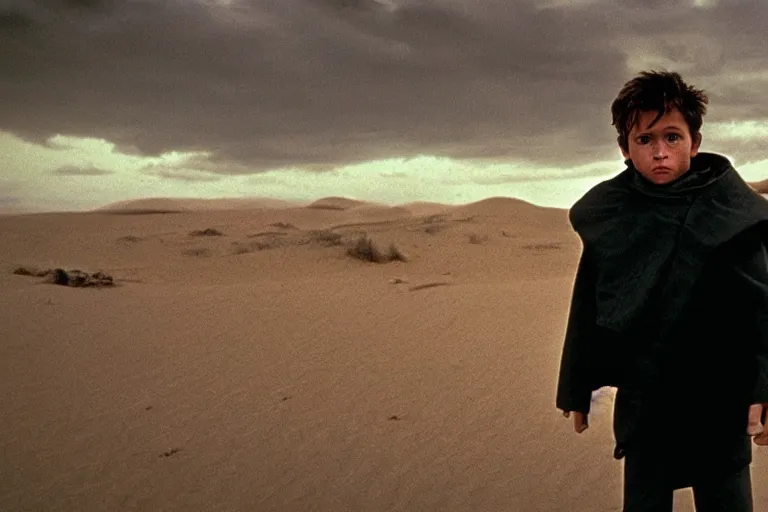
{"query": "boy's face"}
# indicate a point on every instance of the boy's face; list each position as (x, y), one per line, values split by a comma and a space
(661, 153)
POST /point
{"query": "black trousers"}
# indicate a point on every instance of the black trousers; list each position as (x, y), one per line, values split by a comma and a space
(646, 489)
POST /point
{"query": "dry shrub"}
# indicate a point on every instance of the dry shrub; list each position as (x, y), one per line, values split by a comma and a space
(283, 225)
(206, 232)
(477, 239)
(129, 238)
(76, 278)
(395, 254)
(196, 251)
(326, 237)
(254, 246)
(79, 278)
(266, 234)
(435, 223)
(32, 272)
(367, 250)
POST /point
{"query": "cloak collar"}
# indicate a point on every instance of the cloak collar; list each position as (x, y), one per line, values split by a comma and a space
(648, 243)
(706, 169)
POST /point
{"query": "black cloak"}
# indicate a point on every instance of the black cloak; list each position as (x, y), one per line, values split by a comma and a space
(670, 305)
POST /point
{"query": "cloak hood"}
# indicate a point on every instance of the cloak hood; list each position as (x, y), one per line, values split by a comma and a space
(653, 241)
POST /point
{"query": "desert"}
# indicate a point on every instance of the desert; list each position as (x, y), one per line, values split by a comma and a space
(246, 357)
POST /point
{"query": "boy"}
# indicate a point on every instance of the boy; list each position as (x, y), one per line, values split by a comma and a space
(670, 306)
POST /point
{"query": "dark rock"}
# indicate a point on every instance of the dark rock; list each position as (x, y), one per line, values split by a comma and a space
(206, 232)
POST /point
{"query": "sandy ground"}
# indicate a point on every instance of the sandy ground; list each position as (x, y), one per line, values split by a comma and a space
(264, 369)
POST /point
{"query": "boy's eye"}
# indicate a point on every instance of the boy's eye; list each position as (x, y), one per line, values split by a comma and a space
(643, 139)
(673, 137)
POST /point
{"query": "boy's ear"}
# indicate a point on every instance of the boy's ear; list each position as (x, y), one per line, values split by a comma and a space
(696, 143)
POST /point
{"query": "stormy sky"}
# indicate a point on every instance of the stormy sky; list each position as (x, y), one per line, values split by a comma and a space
(388, 100)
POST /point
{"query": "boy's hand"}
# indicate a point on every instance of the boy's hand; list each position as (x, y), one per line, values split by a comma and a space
(580, 421)
(755, 426)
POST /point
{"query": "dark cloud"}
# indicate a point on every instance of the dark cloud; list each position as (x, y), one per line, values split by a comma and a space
(14, 20)
(264, 84)
(72, 170)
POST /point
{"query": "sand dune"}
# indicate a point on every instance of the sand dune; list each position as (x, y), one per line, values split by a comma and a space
(244, 361)
(169, 205)
(494, 206)
(379, 210)
(335, 203)
(513, 210)
(421, 208)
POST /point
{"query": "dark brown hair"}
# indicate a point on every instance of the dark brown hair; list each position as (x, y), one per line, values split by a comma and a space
(658, 91)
